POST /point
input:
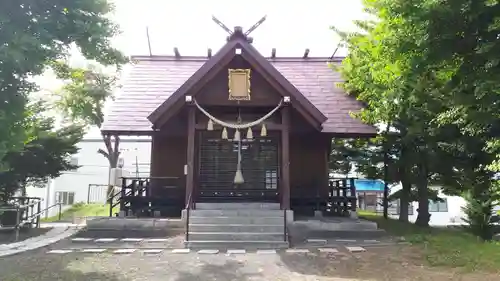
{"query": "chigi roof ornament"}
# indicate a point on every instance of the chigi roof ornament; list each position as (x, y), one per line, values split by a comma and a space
(238, 30)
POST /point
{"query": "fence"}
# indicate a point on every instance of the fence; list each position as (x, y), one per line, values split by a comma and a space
(97, 193)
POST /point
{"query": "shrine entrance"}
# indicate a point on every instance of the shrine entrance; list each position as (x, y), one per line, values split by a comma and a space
(218, 161)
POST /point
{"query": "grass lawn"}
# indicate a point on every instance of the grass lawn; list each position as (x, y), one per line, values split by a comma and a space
(82, 210)
(444, 247)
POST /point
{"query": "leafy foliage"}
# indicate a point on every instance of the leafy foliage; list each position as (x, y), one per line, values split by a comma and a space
(34, 34)
(38, 32)
(429, 70)
(82, 99)
(45, 154)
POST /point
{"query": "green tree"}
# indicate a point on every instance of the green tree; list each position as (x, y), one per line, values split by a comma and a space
(380, 75)
(33, 34)
(82, 99)
(468, 48)
(430, 70)
(45, 154)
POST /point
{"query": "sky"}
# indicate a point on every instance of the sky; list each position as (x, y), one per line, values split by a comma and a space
(291, 27)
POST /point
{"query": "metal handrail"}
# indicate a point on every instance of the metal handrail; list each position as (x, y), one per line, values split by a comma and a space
(188, 208)
(59, 215)
(284, 226)
(29, 218)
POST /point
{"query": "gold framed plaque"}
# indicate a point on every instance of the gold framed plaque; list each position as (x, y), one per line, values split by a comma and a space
(239, 84)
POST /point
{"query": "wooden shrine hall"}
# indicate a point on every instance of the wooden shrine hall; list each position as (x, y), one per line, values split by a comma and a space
(234, 126)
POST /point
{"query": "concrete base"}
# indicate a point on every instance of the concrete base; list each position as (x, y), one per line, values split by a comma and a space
(335, 224)
(333, 228)
(353, 215)
(106, 223)
(289, 216)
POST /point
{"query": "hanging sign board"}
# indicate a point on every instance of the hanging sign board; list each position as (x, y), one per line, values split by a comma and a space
(239, 84)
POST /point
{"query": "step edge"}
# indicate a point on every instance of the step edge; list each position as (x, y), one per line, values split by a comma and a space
(233, 241)
(235, 224)
(237, 233)
(231, 217)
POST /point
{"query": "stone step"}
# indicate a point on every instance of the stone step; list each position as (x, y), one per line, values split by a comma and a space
(235, 236)
(247, 245)
(236, 228)
(237, 213)
(133, 223)
(237, 220)
(238, 206)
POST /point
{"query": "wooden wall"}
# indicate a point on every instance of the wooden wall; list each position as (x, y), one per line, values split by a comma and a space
(308, 165)
(168, 158)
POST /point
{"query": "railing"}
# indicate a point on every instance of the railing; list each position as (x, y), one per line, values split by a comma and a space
(231, 195)
(188, 208)
(136, 194)
(25, 212)
(341, 196)
(285, 234)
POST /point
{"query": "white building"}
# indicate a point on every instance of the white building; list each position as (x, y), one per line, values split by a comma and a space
(448, 212)
(88, 183)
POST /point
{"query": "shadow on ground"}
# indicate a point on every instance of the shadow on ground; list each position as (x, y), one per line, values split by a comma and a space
(36, 265)
(230, 270)
(9, 235)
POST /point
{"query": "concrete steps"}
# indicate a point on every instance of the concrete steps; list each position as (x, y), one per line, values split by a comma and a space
(238, 206)
(246, 220)
(236, 236)
(246, 245)
(258, 228)
(237, 225)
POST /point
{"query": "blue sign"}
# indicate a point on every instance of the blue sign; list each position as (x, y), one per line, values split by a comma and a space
(369, 185)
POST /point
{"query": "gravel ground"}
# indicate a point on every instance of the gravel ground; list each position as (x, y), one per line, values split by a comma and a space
(376, 264)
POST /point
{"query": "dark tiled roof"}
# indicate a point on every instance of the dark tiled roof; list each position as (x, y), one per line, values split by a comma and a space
(152, 80)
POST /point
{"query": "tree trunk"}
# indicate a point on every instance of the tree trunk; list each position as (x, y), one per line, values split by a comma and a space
(423, 217)
(113, 163)
(406, 185)
(404, 200)
(112, 155)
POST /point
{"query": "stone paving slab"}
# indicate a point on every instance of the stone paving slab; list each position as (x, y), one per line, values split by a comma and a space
(236, 252)
(181, 251)
(158, 250)
(342, 252)
(94, 250)
(152, 252)
(356, 249)
(124, 251)
(210, 252)
(105, 240)
(328, 250)
(293, 251)
(266, 252)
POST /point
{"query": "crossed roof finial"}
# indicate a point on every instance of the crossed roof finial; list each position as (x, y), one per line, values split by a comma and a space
(238, 30)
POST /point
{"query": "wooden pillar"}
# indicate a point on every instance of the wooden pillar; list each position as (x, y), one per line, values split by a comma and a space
(190, 156)
(285, 158)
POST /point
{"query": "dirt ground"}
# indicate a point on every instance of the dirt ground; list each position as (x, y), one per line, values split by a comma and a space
(389, 263)
(394, 263)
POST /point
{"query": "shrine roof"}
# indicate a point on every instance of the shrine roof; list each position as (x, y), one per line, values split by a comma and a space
(153, 79)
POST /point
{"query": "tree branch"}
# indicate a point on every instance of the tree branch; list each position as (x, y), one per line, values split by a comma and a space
(104, 153)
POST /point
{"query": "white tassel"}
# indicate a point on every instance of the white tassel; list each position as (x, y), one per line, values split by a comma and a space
(210, 125)
(238, 177)
(263, 131)
(237, 136)
(249, 134)
(224, 133)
